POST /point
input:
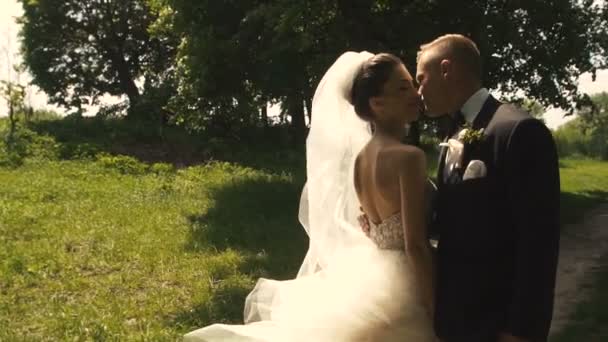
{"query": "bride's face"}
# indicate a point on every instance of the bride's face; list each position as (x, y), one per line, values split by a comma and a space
(399, 99)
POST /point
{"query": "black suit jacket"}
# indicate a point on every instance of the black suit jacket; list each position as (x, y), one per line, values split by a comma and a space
(499, 235)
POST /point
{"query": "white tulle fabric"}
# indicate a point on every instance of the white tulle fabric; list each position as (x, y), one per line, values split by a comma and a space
(347, 289)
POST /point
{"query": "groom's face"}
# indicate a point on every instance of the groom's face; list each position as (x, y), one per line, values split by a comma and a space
(431, 85)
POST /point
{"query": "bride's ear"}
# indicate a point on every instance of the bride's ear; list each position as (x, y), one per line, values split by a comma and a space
(376, 104)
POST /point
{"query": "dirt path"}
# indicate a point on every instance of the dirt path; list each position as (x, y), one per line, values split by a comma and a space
(580, 251)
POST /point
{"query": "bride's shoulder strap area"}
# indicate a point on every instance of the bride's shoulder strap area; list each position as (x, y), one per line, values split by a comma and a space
(410, 160)
(402, 155)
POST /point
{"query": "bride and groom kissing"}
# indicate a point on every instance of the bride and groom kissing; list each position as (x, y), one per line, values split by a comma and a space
(377, 278)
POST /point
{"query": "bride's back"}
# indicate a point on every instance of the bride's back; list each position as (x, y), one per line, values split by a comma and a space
(377, 177)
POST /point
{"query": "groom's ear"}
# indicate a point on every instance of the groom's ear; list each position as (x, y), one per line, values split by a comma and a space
(445, 68)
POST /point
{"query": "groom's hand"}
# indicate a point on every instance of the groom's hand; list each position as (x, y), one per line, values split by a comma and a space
(504, 337)
(364, 222)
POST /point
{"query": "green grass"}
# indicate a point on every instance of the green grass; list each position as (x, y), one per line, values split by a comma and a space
(584, 184)
(100, 246)
(108, 248)
(90, 251)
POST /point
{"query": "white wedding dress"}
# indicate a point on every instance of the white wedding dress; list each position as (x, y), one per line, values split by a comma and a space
(349, 287)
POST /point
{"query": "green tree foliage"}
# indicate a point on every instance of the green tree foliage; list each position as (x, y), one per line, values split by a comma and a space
(587, 134)
(240, 54)
(14, 95)
(595, 118)
(534, 108)
(78, 51)
(234, 57)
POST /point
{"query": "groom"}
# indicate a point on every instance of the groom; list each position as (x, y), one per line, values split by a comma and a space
(497, 205)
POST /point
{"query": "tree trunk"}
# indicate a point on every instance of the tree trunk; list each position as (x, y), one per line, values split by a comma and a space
(264, 114)
(298, 123)
(29, 114)
(308, 103)
(127, 83)
(12, 120)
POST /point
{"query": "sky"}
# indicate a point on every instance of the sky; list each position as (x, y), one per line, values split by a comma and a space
(9, 9)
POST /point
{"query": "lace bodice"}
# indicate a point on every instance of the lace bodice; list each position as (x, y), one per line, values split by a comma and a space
(389, 233)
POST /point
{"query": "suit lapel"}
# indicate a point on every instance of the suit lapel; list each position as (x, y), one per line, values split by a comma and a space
(481, 121)
(487, 112)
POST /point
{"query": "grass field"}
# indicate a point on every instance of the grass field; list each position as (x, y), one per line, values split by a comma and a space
(98, 246)
(584, 185)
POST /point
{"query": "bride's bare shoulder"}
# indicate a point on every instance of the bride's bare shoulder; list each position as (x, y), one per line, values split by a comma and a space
(400, 155)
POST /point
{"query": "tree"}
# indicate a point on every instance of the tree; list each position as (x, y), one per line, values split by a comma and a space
(593, 120)
(78, 51)
(534, 108)
(239, 55)
(11, 89)
(14, 95)
(250, 52)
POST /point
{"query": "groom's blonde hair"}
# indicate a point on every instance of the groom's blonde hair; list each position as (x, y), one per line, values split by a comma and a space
(457, 48)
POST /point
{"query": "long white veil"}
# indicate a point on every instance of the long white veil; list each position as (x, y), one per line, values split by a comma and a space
(328, 206)
(299, 309)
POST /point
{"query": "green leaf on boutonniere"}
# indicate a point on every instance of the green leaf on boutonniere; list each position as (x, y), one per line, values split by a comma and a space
(470, 135)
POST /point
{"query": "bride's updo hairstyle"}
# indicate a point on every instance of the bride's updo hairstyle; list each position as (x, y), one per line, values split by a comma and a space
(369, 82)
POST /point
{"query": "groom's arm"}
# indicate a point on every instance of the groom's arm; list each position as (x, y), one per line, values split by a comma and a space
(533, 200)
(510, 338)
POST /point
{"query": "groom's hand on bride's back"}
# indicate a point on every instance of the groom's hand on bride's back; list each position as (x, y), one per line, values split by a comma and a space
(364, 222)
(504, 337)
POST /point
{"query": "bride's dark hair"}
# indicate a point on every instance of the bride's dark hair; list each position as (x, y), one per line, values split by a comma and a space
(369, 82)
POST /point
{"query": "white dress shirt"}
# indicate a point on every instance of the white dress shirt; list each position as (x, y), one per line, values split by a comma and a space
(472, 107)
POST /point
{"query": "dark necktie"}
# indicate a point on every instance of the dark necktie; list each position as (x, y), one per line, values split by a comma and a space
(456, 123)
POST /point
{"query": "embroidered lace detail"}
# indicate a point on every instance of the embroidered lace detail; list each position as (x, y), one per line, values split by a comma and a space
(389, 233)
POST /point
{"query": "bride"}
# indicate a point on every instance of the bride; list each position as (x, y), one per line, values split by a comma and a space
(353, 287)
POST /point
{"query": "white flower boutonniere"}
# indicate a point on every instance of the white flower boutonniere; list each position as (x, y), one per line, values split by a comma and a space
(456, 150)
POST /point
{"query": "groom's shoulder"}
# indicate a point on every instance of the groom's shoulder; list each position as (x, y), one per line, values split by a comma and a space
(510, 121)
(510, 115)
(512, 112)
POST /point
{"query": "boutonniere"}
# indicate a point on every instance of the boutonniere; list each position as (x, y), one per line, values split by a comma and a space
(456, 149)
(470, 136)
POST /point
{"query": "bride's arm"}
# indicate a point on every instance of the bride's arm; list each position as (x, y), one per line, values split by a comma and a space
(412, 182)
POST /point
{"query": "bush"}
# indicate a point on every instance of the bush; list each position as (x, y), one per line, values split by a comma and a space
(123, 164)
(572, 140)
(162, 168)
(24, 143)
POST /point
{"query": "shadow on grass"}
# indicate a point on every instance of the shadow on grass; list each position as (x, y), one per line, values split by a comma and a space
(590, 318)
(258, 219)
(564, 165)
(575, 205)
(224, 305)
(254, 216)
